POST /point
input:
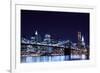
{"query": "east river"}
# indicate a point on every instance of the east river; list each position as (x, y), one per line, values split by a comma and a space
(30, 59)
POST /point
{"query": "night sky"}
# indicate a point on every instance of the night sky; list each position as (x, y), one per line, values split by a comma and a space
(60, 25)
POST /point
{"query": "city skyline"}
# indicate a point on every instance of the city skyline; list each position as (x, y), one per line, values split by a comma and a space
(48, 36)
(60, 25)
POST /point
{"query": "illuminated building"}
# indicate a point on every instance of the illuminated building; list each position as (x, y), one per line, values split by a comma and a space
(47, 38)
(79, 40)
(83, 43)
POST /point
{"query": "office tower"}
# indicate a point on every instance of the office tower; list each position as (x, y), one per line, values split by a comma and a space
(37, 37)
(83, 43)
(79, 40)
(47, 38)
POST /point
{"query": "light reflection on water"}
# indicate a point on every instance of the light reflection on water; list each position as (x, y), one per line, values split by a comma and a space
(30, 59)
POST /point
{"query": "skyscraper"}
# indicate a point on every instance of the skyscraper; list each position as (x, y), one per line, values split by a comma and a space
(37, 37)
(47, 38)
(79, 40)
(83, 43)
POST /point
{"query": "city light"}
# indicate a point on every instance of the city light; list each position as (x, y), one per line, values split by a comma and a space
(35, 47)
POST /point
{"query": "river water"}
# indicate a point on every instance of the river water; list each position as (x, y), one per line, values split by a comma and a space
(30, 59)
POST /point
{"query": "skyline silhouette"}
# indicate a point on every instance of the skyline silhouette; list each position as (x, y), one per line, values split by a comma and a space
(60, 25)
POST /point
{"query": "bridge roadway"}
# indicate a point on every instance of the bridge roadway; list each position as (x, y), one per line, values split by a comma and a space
(67, 50)
(50, 45)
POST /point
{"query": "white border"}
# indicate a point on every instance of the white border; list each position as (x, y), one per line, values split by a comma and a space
(15, 57)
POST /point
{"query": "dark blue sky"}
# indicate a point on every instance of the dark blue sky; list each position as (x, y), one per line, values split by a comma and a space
(60, 25)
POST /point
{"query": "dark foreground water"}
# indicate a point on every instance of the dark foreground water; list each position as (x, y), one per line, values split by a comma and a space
(30, 59)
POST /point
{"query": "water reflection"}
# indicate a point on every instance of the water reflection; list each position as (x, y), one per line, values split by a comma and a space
(29, 59)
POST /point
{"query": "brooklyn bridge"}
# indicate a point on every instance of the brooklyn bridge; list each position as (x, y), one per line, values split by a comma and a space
(74, 51)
